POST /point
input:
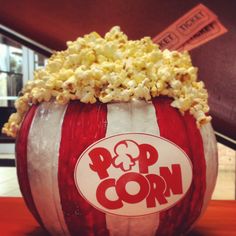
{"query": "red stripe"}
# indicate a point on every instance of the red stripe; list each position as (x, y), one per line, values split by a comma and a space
(199, 170)
(83, 125)
(182, 130)
(21, 162)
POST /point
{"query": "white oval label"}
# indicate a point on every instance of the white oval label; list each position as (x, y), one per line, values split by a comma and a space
(133, 174)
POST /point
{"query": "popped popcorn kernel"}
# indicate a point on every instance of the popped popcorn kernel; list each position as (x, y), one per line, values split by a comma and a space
(114, 69)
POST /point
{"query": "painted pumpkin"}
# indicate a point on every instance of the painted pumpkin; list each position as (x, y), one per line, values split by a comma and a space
(73, 190)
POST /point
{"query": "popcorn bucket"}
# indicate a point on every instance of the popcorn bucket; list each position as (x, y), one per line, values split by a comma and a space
(112, 139)
(137, 168)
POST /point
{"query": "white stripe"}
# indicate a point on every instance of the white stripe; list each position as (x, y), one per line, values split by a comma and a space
(135, 116)
(42, 159)
(211, 157)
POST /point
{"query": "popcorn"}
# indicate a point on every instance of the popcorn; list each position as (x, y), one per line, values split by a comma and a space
(114, 69)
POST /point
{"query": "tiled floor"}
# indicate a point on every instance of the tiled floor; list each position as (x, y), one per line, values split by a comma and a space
(225, 187)
(8, 182)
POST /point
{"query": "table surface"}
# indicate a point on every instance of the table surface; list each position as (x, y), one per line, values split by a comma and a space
(15, 219)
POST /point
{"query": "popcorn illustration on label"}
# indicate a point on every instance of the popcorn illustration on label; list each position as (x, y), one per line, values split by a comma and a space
(133, 174)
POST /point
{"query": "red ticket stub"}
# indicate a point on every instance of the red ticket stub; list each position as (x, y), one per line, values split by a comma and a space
(206, 34)
(185, 27)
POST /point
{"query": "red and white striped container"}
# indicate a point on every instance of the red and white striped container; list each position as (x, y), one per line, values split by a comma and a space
(73, 190)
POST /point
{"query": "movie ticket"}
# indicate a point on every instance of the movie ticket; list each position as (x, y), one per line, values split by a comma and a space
(196, 27)
(209, 32)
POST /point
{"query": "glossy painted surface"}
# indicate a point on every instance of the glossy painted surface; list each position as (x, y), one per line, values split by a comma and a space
(83, 125)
